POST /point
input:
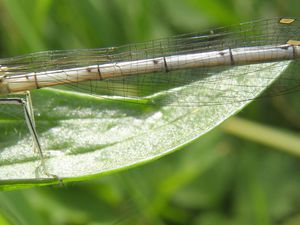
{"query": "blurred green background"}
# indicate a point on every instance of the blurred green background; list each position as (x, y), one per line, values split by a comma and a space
(220, 179)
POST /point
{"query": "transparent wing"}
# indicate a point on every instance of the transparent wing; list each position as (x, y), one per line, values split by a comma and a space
(220, 85)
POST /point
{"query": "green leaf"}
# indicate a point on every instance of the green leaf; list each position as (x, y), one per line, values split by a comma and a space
(86, 136)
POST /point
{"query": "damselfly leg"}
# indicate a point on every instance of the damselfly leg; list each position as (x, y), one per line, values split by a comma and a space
(26, 103)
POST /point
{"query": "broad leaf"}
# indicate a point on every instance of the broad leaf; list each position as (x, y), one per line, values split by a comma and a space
(85, 136)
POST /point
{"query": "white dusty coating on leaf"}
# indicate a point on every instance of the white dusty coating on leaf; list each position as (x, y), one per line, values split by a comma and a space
(93, 141)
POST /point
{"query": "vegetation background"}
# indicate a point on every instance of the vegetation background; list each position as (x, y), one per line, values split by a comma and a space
(220, 179)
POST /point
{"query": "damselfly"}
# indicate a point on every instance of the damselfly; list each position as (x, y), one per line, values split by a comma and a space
(140, 71)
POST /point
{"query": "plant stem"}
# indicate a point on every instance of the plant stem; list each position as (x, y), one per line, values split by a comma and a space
(270, 136)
